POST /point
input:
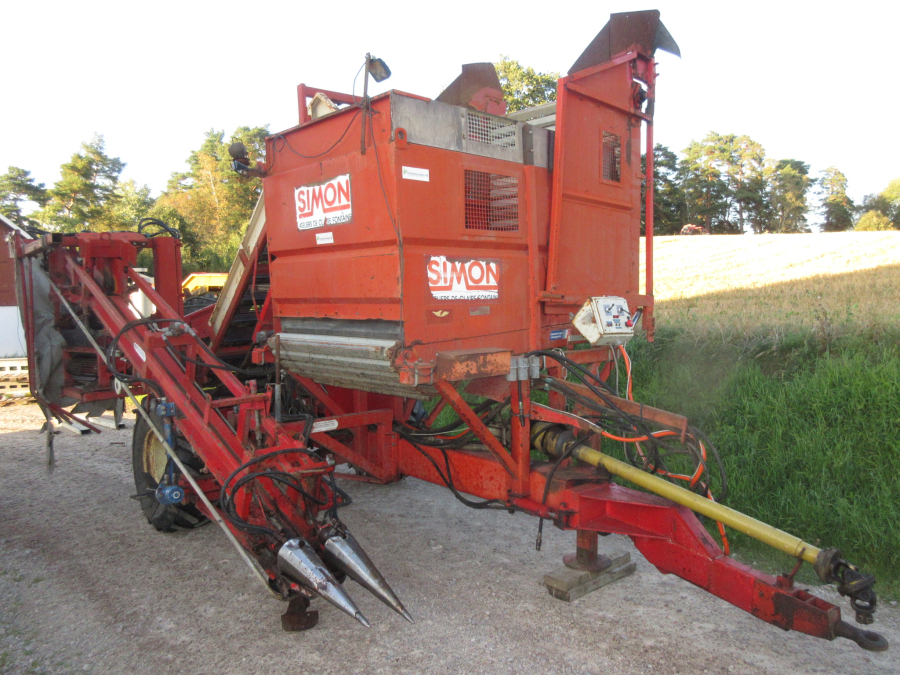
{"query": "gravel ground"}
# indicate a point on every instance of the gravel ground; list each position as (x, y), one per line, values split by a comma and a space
(86, 585)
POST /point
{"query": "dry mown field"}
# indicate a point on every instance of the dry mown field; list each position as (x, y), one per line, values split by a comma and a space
(712, 283)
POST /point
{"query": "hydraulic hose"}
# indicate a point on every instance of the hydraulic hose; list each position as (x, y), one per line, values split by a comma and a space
(772, 536)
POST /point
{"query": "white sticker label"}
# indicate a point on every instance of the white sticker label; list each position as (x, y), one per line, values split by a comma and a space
(412, 173)
(323, 204)
(324, 237)
(324, 425)
(463, 279)
(140, 352)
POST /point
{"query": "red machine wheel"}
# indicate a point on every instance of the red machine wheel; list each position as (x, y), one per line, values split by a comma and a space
(149, 461)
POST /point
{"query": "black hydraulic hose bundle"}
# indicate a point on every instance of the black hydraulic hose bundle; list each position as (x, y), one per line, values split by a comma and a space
(431, 437)
(610, 413)
(612, 418)
(226, 497)
(219, 363)
(447, 478)
(146, 223)
(586, 376)
(112, 348)
(617, 420)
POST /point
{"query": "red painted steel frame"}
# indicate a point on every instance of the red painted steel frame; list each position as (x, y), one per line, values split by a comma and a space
(570, 213)
(305, 92)
(552, 260)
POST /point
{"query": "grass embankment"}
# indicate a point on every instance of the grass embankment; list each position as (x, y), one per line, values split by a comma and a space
(810, 441)
(797, 382)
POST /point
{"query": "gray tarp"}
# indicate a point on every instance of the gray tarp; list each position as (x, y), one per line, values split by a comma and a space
(47, 347)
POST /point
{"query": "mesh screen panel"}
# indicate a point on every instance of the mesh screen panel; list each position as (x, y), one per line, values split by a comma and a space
(612, 157)
(492, 202)
(486, 129)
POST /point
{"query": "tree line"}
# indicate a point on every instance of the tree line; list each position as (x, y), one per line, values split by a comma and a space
(209, 203)
(725, 183)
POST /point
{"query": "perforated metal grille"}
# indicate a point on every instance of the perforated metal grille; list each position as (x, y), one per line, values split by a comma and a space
(612, 157)
(492, 202)
(486, 129)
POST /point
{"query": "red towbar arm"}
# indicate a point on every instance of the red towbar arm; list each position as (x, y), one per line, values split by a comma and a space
(672, 539)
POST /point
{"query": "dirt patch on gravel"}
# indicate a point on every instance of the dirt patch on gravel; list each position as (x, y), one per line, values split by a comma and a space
(86, 585)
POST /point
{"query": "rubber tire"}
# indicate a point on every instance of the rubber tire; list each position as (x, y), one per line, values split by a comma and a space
(163, 518)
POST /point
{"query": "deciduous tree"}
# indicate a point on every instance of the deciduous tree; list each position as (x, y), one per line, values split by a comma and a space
(886, 203)
(523, 87)
(214, 203)
(131, 203)
(872, 221)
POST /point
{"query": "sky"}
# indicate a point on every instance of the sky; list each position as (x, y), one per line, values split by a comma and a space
(809, 81)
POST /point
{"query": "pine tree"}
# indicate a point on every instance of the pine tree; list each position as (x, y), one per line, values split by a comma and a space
(668, 197)
(837, 207)
(706, 194)
(85, 190)
(17, 187)
(790, 183)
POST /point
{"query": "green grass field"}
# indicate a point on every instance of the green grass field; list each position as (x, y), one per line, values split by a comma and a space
(797, 381)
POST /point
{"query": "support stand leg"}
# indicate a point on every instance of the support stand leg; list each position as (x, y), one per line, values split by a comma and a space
(118, 411)
(586, 570)
(586, 558)
(297, 618)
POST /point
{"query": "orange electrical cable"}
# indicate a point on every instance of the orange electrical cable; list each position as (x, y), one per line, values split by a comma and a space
(656, 434)
(699, 471)
(459, 435)
(628, 387)
(692, 479)
(725, 544)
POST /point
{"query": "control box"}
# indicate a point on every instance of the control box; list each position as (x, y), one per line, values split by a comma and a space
(605, 320)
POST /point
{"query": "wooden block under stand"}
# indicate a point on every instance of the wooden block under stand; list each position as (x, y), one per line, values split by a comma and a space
(568, 584)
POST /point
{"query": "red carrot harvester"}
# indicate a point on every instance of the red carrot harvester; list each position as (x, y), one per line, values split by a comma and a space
(410, 255)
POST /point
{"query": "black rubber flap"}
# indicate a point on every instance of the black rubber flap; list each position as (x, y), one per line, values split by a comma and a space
(621, 32)
(474, 78)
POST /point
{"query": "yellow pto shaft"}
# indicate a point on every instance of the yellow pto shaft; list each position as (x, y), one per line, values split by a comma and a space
(767, 534)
